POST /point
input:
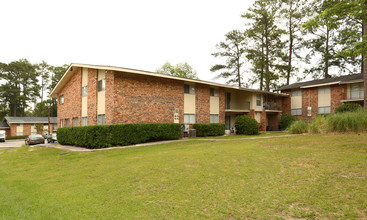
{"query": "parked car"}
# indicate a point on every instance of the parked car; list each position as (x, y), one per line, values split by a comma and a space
(34, 139)
(52, 138)
(2, 136)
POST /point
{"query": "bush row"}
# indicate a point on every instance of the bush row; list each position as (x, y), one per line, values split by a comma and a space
(246, 125)
(209, 129)
(16, 137)
(100, 136)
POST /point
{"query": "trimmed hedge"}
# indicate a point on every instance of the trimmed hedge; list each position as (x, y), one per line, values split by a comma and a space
(246, 125)
(101, 136)
(16, 137)
(209, 129)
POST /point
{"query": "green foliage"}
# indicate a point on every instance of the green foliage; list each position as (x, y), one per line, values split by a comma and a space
(246, 125)
(209, 129)
(317, 125)
(100, 136)
(347, 122)
(16, 137)
(181, 70)
(232, 50)
(286, 120)
(348, 107)
(298, 127)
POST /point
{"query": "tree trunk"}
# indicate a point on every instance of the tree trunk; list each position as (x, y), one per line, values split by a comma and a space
(262, 65)
(290, 44)
(238, 66)
(326, 71)
(267, 68)
(364, 66)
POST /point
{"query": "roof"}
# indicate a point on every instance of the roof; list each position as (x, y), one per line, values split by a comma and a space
(32, 120)
(3, 125)
(328, 81)
(70, 71)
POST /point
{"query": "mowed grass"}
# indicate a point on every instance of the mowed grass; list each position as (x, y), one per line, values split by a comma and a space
(304, 176)
(236, 136)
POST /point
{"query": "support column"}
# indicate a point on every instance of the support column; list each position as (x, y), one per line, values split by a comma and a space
(263, 121)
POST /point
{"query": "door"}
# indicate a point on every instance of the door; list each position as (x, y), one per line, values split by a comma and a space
(228, 122)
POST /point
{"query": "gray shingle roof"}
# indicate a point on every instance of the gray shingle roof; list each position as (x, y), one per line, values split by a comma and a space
(345, 78)
(11, 119)
(3, 125)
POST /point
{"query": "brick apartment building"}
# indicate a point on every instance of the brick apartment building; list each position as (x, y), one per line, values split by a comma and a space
(19, 126)
(93, 94)
(307, 99)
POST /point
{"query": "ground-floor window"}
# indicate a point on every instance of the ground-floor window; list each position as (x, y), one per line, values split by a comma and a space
(324, 110)
(55, 126)
(67, 122)
(19, 133)
(101, 119)
(84, 121)
(214, 118)
(75, 122)
(297, 111)
(189, 118)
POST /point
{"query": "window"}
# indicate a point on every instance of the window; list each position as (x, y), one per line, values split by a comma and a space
(324, 90)
(324, 110)
(258, 100)
(84, 91)
(228, 100)
(67, 122)
(214, 92)
(296, 93)
(101, 85)
(55, 126)
(101, 119)
(19, 133)
(84, 121)
(189, 89)
(62, 99)
(61, 123)
(214, 118)
(75, 122)
(297, 111)
(189, 118)
(19, 125)
(356, 91)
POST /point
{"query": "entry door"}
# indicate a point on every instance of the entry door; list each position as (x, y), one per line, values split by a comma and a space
(228, 122)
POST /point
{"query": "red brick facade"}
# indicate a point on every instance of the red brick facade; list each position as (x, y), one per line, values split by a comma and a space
(202, 104)
(92, 96)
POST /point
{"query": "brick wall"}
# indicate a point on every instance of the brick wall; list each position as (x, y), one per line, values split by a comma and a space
(27, 129)
(338, 92)
(110, 97)
(202, 104)
(286, 102)
(146, 99)
(13, 129)
(222, 103)
(72, 93)
(92, 96)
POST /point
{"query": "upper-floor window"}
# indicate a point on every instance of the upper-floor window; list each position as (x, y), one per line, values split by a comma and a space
(214, 92)
(84, 91)
(61, 99)
(258, 100)
(228, 100)
(356, 91)
(189, 89)
(101, 85)
(324, 90)
(296, 93)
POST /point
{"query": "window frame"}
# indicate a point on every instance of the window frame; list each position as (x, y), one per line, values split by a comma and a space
(296, 93)
(214, 118)
(84, 91)
(101, 85)
(84, 121)
(62, 99)
(214, 92)
(103, 122)
(324, 107)
(298, 111)
(191, 89)
(258, 99)
(77, 121)
(191, 118)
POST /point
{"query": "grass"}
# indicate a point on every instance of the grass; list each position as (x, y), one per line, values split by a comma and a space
(303, 176)
(235, 136)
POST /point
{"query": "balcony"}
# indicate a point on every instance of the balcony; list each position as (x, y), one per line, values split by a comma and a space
(271, 107)
(237, 107)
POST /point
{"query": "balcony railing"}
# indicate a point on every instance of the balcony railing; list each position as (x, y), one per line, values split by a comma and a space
(242, 106)
(271, 106)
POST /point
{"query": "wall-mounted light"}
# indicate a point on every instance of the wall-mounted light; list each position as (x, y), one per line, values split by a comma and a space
(71, 68)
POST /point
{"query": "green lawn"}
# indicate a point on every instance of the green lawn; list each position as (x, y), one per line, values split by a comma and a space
(304, 176)
(235, 136)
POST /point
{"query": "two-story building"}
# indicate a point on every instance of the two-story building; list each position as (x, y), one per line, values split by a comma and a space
(307, 99)
(93, 94)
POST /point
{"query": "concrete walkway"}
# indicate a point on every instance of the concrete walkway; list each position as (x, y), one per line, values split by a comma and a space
(81, 149)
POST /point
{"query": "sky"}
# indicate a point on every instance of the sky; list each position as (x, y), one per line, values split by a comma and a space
(138, 34)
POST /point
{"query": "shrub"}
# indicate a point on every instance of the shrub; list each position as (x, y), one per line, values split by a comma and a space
(209, 129)
(348, 107)
(16, 137)
(246, 125)
(317, 125)
(298, 127)
(347, 121)
(100, 136)
(286, 120)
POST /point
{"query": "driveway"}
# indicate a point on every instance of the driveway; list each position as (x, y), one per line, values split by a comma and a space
(9, 144)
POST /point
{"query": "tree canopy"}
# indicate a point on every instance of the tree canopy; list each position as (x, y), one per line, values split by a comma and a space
(181, 70)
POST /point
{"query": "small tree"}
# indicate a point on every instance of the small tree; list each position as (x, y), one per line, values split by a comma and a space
(181, 70)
